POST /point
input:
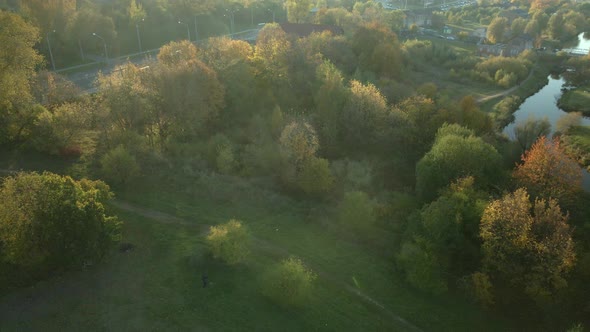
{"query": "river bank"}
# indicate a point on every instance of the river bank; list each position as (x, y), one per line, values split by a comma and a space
(577, 143)
(576, 100)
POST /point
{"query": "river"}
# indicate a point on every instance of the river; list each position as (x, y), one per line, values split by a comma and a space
(544, 104)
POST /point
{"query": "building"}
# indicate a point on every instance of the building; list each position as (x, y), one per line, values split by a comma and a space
(513, 48)
(421, 18)
(479, 32)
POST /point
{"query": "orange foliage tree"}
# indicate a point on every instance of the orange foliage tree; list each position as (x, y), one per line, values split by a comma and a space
(547, 171)
(527, 245)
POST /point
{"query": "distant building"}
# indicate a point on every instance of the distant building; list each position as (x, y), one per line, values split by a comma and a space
(419, 17)
(479, 32)
(511, 49)
(305, 29)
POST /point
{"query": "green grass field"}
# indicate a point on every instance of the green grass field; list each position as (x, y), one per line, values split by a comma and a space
(157, 286)
(576, 100)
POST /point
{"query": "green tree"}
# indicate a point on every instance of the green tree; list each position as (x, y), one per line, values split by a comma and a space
(190, 96)
(329, 100)
(527, 246)
(518, 26)
(315, 176)
(443, 238)
(289, 283)
(363, 118)
(555, 26)
(452, 157)
(298, 10)
(18, 62)
(527, 132)
(497, 29)
(378, 50)
(136, 12)
(83, 23)
(229, 242)
(119, 166)
(357, 212)
(50, 222)
(299, 141)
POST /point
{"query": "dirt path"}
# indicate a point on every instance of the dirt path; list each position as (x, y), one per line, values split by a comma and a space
(271, 248)
(506, 92)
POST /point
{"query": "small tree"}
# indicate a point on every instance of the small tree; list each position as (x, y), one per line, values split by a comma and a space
(315, 176)
(357, 211)
(119, 166)
(527, 132)
(229, 242)
(567, 121)
(289, 283)
(299, 141)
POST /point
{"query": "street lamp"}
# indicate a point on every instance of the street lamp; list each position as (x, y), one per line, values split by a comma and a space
(50, 52)
(196, 30)
(138, 38)
(188, 31)
(273, 15)
(231, 19)
(104, 43)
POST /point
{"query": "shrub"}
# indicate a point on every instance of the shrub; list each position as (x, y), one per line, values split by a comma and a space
(357, 212)
(119, 166)
(289, 283)
(229, 242)
(315, 176)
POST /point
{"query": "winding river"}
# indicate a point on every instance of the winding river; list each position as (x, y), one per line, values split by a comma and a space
(544, 104)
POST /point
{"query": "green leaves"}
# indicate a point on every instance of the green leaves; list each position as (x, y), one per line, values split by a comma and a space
(50, 222)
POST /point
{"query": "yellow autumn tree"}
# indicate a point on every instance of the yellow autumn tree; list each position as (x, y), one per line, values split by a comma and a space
(525, 245)
(546, 171)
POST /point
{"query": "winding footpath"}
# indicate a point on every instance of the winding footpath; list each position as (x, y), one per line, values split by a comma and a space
(508, 91)
(270, 248)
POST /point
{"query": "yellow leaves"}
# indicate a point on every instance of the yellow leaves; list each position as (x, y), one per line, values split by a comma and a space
(548, 172)
(300, 141)
(527, 245)
(229, 242)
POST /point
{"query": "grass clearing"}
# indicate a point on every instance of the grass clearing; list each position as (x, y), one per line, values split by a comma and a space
(157, 286)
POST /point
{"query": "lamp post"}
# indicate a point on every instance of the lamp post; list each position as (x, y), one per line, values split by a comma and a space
(231, 19)
(196, 30)
(138, 37)
(50, 52)
(188, 31)
(273, 15)
(104, 43)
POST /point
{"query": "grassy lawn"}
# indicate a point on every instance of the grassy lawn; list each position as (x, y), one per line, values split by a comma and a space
(577, 141)
(576, 100)
(157, 285)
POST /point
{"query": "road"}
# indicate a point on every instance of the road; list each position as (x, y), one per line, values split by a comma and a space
(85, 79)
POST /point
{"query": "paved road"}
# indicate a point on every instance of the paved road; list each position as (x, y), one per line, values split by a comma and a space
(85, 79)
